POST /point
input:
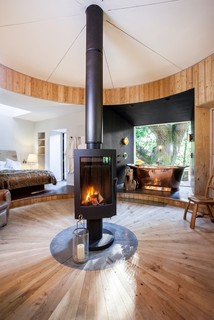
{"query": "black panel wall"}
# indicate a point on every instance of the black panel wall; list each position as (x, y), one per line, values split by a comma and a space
(115, 128)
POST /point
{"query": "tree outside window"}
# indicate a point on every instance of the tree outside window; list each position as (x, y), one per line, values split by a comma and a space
(164, 144)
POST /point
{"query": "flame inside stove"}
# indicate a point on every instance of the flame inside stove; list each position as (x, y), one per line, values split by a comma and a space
(90, 193)
(92, 198)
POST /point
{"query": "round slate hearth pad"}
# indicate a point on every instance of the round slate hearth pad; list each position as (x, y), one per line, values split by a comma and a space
(124, 246)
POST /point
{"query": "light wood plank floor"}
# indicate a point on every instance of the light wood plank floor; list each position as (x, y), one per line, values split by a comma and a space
(171, 275)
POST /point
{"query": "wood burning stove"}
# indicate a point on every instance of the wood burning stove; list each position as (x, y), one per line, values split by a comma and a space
(95, 192)
(94, 167)
(95, 183)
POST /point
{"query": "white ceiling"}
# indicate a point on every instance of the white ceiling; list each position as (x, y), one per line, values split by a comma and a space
(144, 40)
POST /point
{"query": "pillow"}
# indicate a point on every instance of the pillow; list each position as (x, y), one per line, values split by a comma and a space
(12, 165)
(2, 165)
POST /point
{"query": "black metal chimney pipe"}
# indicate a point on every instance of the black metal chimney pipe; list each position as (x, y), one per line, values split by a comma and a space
(94, 77)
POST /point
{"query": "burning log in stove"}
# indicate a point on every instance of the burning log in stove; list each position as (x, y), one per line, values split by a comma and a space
(93, 198)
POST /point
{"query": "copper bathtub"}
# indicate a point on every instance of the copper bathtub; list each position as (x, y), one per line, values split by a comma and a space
(161, 178)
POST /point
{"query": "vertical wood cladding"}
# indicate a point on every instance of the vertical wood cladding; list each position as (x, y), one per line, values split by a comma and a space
(200, 77)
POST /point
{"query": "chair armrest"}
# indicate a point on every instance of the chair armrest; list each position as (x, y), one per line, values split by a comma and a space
(5, 195)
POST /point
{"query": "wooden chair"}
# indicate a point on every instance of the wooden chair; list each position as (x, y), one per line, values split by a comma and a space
(207, 200)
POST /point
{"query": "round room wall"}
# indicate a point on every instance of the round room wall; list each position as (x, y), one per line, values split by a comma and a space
(199, 77)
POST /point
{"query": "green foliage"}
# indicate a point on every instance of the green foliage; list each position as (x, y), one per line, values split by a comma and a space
(164, 144)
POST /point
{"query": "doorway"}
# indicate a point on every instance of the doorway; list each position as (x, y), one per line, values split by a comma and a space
(57, 142)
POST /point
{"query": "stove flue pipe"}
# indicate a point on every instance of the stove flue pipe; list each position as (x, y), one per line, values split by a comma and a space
(94, 77)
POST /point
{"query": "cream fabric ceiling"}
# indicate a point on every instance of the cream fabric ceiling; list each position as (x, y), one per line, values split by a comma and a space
(144, 40)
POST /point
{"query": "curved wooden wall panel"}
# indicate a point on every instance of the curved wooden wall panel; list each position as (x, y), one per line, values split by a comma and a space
(23, 84)
(200, 77)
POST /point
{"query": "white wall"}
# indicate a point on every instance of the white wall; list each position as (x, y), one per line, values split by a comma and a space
(73, 125)
(17, 134)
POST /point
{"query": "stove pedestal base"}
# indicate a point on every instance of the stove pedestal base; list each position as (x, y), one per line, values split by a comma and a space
(99, 238)
(103, 243)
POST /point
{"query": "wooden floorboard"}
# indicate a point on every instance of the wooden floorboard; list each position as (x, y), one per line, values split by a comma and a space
(171, 275)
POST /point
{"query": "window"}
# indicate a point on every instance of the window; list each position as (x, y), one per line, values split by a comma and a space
(164, 144)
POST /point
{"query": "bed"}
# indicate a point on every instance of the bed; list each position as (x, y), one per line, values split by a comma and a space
(19, 181)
